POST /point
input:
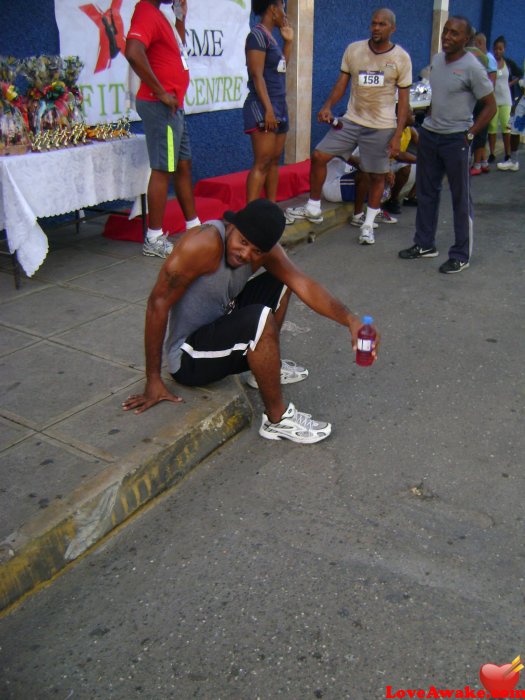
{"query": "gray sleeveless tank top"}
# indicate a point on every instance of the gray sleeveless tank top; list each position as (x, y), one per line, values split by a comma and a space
(206, 300)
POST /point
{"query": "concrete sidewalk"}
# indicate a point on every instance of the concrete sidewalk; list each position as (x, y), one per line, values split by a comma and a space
(75, 465)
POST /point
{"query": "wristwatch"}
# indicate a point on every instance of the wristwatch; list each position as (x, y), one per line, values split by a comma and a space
(469, 136)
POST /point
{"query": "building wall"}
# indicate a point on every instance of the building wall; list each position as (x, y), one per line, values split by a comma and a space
(509, 19)
(218, 142)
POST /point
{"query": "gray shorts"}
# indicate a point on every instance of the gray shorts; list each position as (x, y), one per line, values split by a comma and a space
(373, 152)
(166, 134)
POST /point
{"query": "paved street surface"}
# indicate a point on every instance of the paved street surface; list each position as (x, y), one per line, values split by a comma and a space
(389, 555)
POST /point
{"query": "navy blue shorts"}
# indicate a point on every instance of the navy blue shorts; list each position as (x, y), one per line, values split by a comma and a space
(219, 349)
(253, 115)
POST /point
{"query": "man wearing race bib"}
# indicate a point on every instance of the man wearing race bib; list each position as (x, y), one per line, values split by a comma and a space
(377, 68)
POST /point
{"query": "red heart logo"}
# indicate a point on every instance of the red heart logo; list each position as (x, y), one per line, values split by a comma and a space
(497, 679)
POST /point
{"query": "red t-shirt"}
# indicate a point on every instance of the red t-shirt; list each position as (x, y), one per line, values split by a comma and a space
(150, 26)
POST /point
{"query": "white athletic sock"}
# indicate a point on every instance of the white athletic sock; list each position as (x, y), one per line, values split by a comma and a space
(370, 216)
(514, 156)
(314, 205)
(192, 223)
(153, 234)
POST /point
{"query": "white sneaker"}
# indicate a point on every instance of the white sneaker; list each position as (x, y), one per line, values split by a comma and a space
(160, 247)
(384, 217)
(366, 237)
(288, 218)
(295, 426)
(359, 220)
(304, 213)
(509, 165)
(290, 374)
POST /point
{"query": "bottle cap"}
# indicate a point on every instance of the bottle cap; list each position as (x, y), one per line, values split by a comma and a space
(368, 320)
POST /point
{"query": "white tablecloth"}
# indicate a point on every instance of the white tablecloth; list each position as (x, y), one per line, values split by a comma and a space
(56, 182)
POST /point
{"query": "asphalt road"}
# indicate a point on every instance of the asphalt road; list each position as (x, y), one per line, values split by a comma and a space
(389, 557)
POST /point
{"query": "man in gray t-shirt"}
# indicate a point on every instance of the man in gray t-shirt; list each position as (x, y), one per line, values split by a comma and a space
(458, 80)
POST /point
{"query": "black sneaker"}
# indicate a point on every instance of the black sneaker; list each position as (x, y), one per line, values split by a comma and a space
(392, 206)
(491, 158)
(453, 265)
(418, 252)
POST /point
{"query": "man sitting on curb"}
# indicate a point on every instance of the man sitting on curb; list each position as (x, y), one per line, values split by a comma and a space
(219, 322)
(345, 182)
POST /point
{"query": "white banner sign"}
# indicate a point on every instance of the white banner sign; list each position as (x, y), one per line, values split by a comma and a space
(215, 35)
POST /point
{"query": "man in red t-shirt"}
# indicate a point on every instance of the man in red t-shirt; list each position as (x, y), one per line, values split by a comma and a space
(155, 51)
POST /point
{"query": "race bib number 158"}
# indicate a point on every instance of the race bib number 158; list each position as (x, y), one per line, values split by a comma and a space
(374, 78)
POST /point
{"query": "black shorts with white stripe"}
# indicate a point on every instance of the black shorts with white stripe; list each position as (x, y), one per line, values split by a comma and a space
(219, 349)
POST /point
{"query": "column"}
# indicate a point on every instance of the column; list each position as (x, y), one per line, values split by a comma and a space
(439, 17)
(299, 80)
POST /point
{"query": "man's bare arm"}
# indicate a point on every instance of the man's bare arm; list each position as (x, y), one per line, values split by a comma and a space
(339, 89)
(198, 253)
(138, 60)
(402, 112)
(311, 292)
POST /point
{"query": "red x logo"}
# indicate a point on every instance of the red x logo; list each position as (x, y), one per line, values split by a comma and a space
(111, 32)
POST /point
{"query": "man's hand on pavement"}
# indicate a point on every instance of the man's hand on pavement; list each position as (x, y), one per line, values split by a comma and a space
(154, 392)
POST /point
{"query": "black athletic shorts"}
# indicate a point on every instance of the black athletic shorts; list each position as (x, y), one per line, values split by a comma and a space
(219, 349)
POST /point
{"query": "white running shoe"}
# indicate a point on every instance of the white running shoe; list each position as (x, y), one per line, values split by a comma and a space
(366, 237)
(295, 426)
(160, 247)
(359, 220)
(290, 374)
(384, 217)
(304, 213)
(288, 218)
(509, 165)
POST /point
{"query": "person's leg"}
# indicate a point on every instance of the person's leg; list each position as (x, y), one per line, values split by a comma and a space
(376, 189)
(492, 145)
(156, 118)
(400, 181)
(312, 209)
(504, 114)
(245, 339)
(265, 363)
(280, 313)
(265, 289)
(318, 173)
(263, 146)
(339, 142)
(492, 130)
(429, 178)
(455, 158)
(506, 145)
(517, 129)
(362, 185)
(514, 148)
(267, 151)
(374, 160)
(157, 198)
(272, 178)
(362, 182)
(184, 189)
(182, 172)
